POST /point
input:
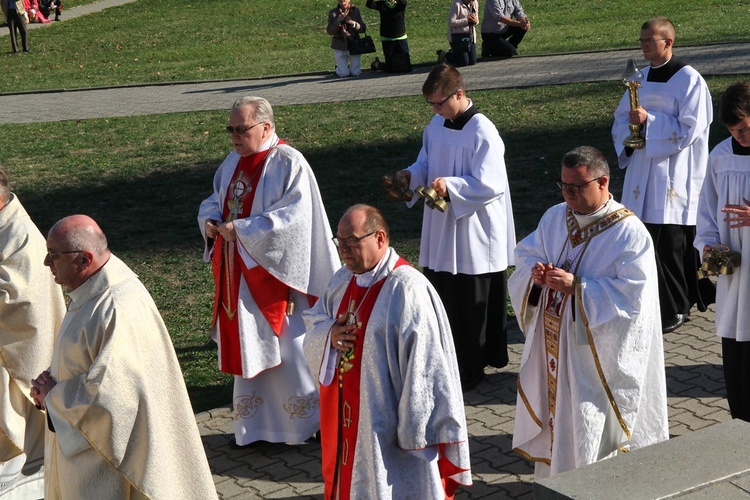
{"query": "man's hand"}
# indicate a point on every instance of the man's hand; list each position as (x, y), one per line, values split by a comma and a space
(638, 116)
(226, 230)
(342, 335)
(553, 277)
(524, 23)
(40, 387)
(211, 229)
(738, 215)
(440, 187)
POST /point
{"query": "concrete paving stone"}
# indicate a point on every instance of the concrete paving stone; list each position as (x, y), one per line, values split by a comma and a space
(723, 490)
(742, 481)
(233, 489)
(692, 422)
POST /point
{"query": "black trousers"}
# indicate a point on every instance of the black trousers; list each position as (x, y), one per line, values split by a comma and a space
(396, 54)
(677, 264)
(16, 22)
(502, 44)
(736, 357)
(476, 308)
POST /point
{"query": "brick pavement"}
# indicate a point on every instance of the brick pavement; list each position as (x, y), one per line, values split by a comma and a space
(694, 375)
(695, 386)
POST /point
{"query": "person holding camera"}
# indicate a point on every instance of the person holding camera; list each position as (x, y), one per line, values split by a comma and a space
(343, 21)
(462, 34)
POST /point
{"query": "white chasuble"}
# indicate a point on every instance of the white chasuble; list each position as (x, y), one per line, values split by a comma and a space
(411, 412)
(288, 234)
(609, 389)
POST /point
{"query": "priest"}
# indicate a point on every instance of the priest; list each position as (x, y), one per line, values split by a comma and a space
(724, 218)
(268, 238)
(591, 381)
(120, 421)
(663, 179)
(31, 310)
(392, 412)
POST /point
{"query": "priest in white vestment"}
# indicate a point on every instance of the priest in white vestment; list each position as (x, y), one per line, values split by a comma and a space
(466, 250)
(31, 310)
(392, 412)
(591, 380)
(724, 219)
(268, 238)
(663, 179)
(120, 421)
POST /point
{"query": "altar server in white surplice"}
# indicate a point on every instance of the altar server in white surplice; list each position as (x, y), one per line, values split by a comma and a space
(466, 250)
(269, 241)
(392, 413)
(724, 218)
(31, 309)
(663, 180)
(120, 421)
(591, 380)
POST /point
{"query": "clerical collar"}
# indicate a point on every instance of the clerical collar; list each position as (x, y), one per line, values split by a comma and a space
(738, 149)
(462, 119)
(271, 142)
(586, 219)
(662, 74)
(369, 277)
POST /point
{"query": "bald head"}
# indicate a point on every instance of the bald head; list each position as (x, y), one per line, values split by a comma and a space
(77, 249)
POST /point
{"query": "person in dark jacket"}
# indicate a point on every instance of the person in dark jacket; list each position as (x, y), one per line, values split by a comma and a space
(392, 35)
(343, 21)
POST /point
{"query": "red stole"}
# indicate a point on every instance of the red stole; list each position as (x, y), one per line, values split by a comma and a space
(339, 401)
(270, 294)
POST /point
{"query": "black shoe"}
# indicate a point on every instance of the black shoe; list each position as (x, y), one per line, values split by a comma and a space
(375, 64)
(673, 323)
(441, 56)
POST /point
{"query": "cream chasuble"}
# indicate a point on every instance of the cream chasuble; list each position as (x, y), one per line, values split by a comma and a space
(592, 372)
(31, 310)
(124, 427)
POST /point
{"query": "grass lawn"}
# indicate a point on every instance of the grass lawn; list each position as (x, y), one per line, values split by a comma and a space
(176, 40)
(142, 178)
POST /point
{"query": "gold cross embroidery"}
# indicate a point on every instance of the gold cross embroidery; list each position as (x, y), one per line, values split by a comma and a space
(637, 191)
(672, 194)
(674, 138)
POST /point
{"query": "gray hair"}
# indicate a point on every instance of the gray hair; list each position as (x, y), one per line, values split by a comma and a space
(80, 237)
(589, 157)
(262, 110)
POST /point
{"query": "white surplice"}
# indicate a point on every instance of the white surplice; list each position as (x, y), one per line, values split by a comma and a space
(288, 234)
(31, 310)
(611, 386)
(476, 234)
(124, 427)
(663, 180)
(727, 182)
(411, 404)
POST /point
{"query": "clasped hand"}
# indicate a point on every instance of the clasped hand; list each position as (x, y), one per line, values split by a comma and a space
(553, 277)
(342, 334)
(40, 387)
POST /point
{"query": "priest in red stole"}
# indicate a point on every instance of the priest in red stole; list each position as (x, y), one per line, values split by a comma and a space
(391, 407)
(268, 239)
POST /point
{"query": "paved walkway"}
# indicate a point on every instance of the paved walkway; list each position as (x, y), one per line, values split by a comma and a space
(694, 373)
(554, 69)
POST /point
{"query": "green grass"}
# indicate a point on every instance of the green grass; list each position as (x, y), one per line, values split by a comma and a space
(176, 40)
(142, 178)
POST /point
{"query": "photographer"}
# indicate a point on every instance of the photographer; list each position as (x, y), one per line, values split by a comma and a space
(343, 21)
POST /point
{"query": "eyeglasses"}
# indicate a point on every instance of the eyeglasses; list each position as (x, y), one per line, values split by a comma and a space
(574, 188)
(242, 129)
(440, 104)
(351, 241)
(649, 41)
(51, 255)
